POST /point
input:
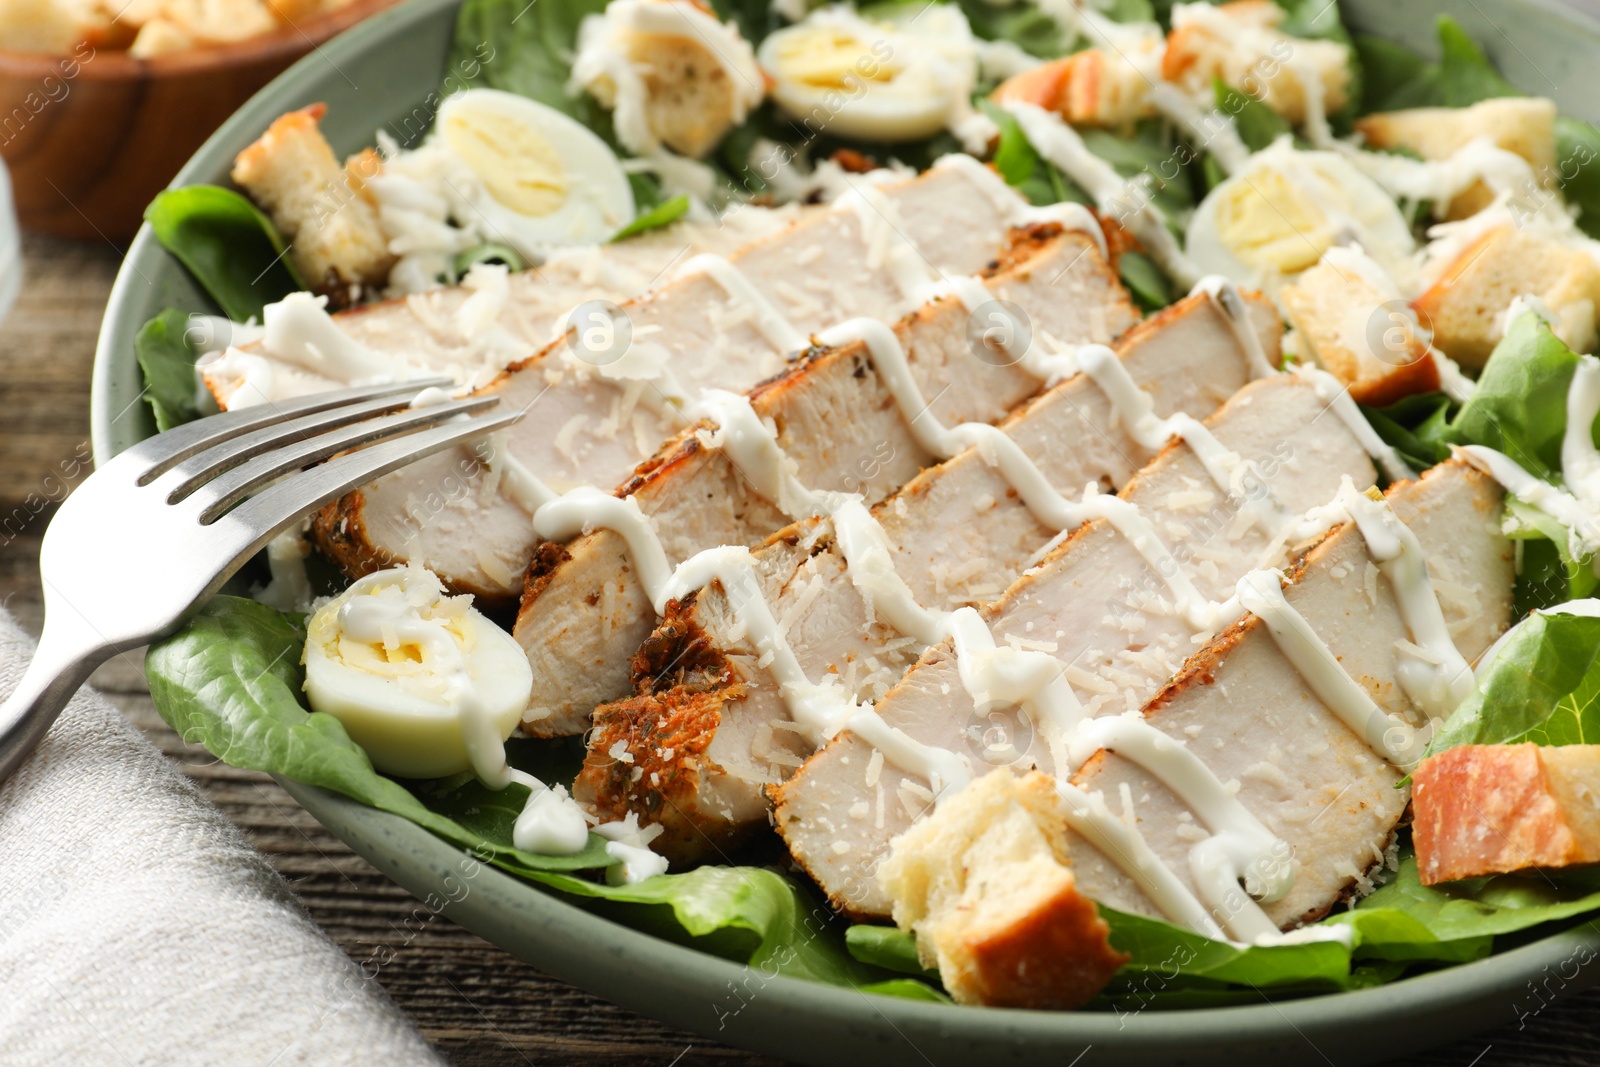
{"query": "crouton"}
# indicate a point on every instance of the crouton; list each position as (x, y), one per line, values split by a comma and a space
(1241, 44)
(984, 884)
(333, 232)
(1350, 326)
(48, 28)
(1523, 125)
(1089, 88)
(1466, 302)
(692, 78)
(199, 22)
(1493, 809)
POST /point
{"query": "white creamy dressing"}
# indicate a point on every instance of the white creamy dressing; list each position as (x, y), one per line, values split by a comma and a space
(1114, 195)
(300, 331)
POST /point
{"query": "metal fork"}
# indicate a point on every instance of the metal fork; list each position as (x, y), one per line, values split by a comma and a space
(153, 534)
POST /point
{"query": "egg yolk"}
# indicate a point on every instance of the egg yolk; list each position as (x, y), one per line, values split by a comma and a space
(831, 59)
(1270, 224)
(520, 169)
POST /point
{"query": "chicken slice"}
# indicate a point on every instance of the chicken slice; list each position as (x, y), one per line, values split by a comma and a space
(1097, 606)
(439, 332)
(1249, 714)
(594, 409)
(584, 611)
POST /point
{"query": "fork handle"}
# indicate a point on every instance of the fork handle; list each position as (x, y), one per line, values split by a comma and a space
(68, 653)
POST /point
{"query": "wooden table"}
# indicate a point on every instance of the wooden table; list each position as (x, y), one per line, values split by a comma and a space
(477, 1003)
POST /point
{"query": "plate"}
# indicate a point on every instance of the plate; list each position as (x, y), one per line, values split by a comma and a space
(384, 74)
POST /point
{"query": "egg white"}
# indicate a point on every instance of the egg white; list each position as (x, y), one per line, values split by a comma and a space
(1304, 203)
(397, 703)
(539, 177)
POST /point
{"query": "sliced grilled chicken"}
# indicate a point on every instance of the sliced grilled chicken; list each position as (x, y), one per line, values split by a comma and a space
(1250, 715)
(595, 411)
(961, 536)
(584, 611)
(1095, 605)
(438, 331)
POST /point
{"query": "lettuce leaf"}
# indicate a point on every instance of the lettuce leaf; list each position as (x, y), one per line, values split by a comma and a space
(1542, 685)
(231, 680)
(166, 359)
(1520, 404)
(1473, 911)
(228, 245)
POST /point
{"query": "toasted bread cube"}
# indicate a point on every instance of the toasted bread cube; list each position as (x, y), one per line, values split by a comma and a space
(48, 28)
(202, 22)
(1494, 809)
(1252, 58)
(1089, 88)
(1524, 125)
(1349, 326)
(1464, 306)
(984, 884)
(292, 173)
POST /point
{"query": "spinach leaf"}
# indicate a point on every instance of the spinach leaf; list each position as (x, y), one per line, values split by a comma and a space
(1144, 280)
(230, 247)
(1577, 149)
(1027, 26)
(527, 49)
(663, 214)
(1465, 74)
(166, 359)
(1023, 168)
(1257, 124)
(1397, 78)
(1541, 685)
(1394, 77)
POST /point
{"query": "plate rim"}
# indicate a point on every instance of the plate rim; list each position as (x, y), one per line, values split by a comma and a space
(578, 945)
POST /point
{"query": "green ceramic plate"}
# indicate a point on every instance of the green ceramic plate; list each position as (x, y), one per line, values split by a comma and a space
(383, 74)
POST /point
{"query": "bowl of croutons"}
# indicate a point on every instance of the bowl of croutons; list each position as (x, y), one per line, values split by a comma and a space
(101, 101)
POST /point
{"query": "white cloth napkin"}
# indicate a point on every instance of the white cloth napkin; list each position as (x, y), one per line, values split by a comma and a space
(137, 926)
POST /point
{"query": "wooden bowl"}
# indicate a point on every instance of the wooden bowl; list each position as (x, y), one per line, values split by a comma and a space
(90, 138)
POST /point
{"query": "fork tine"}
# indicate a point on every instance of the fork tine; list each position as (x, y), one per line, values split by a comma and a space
(200, 468)
(270, 512)
(162, 452)
(215, 496)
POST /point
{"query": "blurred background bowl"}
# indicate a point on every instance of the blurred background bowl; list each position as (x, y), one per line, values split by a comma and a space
(91, 137)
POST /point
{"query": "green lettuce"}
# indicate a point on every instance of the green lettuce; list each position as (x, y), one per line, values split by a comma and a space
(228, 245)
(231, 680)
(166, 359)
(1543, 685)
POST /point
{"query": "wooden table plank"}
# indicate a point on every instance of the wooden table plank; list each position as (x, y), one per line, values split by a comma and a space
(478, 1004)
